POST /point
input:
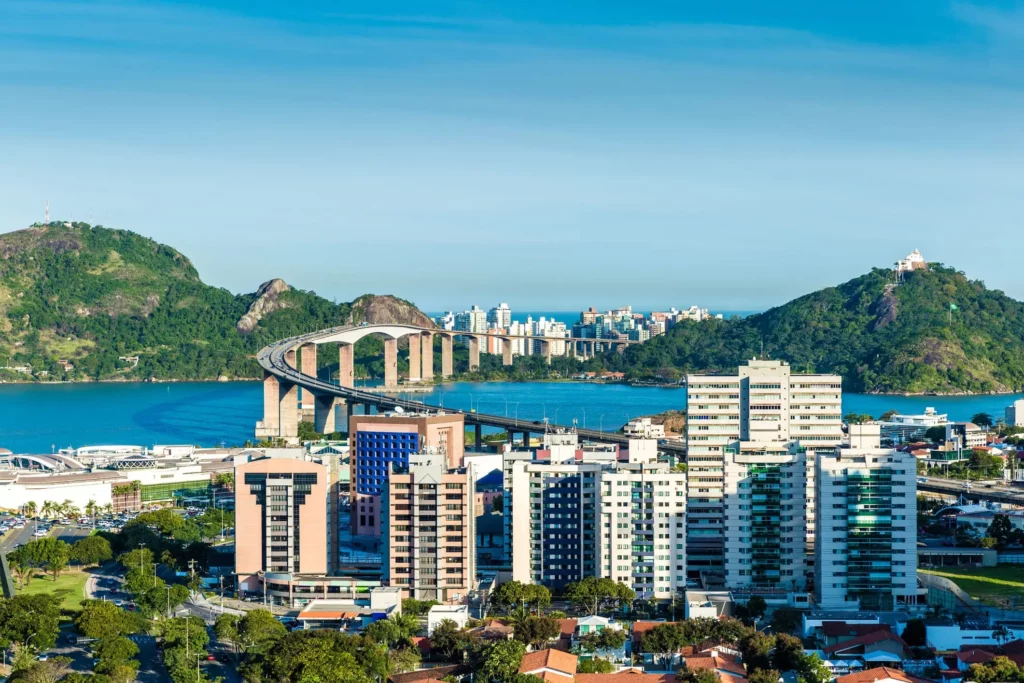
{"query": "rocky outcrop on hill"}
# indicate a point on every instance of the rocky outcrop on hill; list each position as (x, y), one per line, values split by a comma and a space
(386, 309)
(267, 301)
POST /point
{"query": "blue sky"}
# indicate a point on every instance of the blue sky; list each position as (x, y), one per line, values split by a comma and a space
(549, 154)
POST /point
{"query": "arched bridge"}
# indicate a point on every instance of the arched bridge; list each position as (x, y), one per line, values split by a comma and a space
(291, 363)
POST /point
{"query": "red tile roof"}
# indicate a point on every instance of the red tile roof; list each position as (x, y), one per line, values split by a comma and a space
(628, 676)
(642, 627)
(975, 656)
(879, 674)
(556, 660)
(568, 626)
(835, 629)
(867, 639)
(716, 663)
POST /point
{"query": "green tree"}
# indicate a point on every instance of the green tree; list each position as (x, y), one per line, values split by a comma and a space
(983, 420)
(756, 649)
(50, 671)
(789, 652)
(697, 676)
(786, 620)
(856, 419)
(91, 550)
(762, 676)
(403, 659)
(536, 631)
(30, 620)
(594, 665)
(936, 434)
(100, 620)
(43, 552)
(226, 629)
(417, 608)
(1001, 529)
(604, 640)
(813, 670)
(663, 641)
(500, 661)
(259, 631)
(448, 640)
(593, 594)
(914, 633)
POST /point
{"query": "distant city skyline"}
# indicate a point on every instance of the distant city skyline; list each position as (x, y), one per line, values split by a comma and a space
(737, 154)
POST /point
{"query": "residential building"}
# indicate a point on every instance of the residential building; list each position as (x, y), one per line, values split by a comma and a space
(438, 613)
(903, 428)
(575, 511)
(965, 435)
(427, 537)
(642, 530)
(643, 428)
(445, 321)
(1015, 413)
(473, 320)
(551, 665)
(764, 403)
(500, 316)
(866, 549)
(765, 517)
(281, 518)
(377, 441)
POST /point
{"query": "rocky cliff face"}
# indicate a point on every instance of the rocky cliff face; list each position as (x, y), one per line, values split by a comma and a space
(386, 309)
(267, 301)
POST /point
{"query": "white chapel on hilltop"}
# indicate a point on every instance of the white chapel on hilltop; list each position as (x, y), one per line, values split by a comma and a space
(913, 261)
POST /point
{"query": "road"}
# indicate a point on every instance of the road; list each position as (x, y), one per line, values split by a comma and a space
(955, 487)
(151, 668)
(226, 665)
(70, 534)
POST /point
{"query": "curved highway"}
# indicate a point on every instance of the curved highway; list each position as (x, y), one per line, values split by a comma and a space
(271, 358)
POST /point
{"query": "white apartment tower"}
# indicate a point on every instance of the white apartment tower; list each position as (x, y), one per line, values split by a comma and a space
(500, 316)
(573, 512)
(642, 530)
(866, 551)
(764, 406)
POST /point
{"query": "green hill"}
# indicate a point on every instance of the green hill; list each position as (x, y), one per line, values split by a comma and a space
(92, 295)
(879, 337)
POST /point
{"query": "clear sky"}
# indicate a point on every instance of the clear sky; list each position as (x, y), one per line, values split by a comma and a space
(552, 154)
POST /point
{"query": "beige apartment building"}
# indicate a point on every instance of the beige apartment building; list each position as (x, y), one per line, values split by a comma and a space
(378, 441)
(281, 518)
(763, 406)
(428, 535)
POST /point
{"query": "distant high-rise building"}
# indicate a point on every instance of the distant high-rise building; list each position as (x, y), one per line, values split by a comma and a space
(445, 321)
(378, 441)
(865, 555)
(428, 533)
(729, 414)
(473, 320)
(500, 316)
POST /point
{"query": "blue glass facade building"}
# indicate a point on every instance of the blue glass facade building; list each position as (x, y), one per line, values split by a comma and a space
(374, 453)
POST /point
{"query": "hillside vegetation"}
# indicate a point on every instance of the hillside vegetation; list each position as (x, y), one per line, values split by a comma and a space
(91, 295)
(880, 337)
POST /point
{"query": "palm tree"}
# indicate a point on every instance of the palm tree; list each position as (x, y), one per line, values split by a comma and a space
(22, 573)
(30, 508)
(47, 509)
(108, 508)
(1002, 634)
(90, 510)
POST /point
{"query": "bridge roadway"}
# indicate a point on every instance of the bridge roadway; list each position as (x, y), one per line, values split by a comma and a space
(953, 487)
(272, 359)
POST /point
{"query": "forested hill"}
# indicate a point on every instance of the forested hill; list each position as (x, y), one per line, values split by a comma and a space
(91, 295)
(879, 337)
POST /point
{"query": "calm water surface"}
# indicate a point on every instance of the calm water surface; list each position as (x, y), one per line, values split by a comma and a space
(37, 418)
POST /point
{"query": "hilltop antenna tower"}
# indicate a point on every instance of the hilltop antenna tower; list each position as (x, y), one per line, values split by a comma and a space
(47, 219)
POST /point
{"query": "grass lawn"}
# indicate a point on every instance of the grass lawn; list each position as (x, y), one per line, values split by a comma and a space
(70, 587)
(990, 585)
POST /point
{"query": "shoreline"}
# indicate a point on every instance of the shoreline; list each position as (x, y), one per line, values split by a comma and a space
(898, 394)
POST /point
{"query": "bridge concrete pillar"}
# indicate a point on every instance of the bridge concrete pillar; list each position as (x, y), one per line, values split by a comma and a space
(426, 355)
(478, 434)
(289, 411)
(289, 359)
(271, 424)
(474, 353)
(346, 365)
(307, 366)
(547, 347)
(506, 351)
(526, 439)
(446, 356)
(390, 363)
(325, 418)
(414, 358)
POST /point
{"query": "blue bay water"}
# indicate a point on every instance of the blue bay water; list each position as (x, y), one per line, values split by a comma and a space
(36, 418)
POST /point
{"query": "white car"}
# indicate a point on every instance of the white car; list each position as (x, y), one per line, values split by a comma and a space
(40, 532)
